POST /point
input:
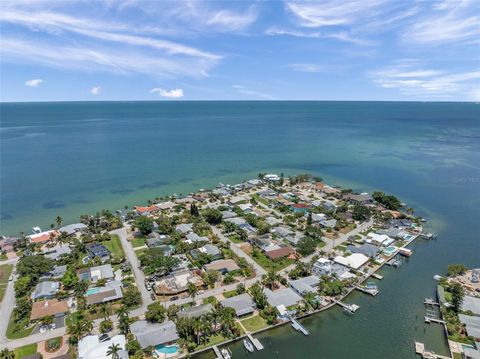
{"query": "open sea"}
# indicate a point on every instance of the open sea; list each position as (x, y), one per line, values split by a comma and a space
(74, 158)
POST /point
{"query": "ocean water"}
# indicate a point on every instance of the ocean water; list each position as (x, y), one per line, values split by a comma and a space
(72, 158)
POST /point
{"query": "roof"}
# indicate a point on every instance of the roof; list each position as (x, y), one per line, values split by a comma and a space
(301, 205)
(471, 353)
(472, 324)
(359, 197)
(43, 236)
(282, 231)
(45, 289)
(285, 296)
(165, 205)
(236, 220)
(148, 209)
(73, 228)
(111, 291)
(194, 312)
(193, 237)
(184, 228)
(380, 238)
(355, 260)
(472, 304)
(280, 252)
(59, 250)
(305, 285)
(242, 304)
(97, 250)
(58, 271)
(368, 249)
(46, 308)
(228, 214)
(101, 272)
(222, 264)
(272, 221)
(150, 334)
(210, 249)
(90, 347)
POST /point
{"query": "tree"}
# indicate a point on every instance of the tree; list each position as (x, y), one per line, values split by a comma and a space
(78, 326)
(34, 266)
(133, 346)
(104, 311)
(306, 246)
(240, 288)
(23, 286)
(131, 297)
(124, 324)
(143, 224)
(271, 279)
(192, 290)
(458, 293)
(388, 201)
(154, 262)
(258, 295)
(69, 279)
(113, 351)
(106, 326)
(456, 269)
(309, 218)
(155, 313)
(7, 354)
(58, 221)
(194, 210)
(212, 215)
(210, 277)
(361, 213)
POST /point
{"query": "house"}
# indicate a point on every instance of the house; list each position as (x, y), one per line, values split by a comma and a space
(45, 290)
(379, 239)
(184, 228)
(208, 249)
(402, 223)
(283, 231)
(222, 265)
(58, 251)
(166, 249)
(243, 304)
(363, 198)
(255, 182)
(47, 308)
(285, 296)
(471, 304)
(318, 217)
(270, 177)
(57, 272)
(195, 312)
(192, 237)
(93, 274)
(90, 347)
(300, 207)
(177, 282)
(322, 266)
(329, 223)
(472, 325)
(153, 334)
(228, 214)
(246, 207)
(153, 242)
(146, 210)
(393, 232)
(272, 221)
(43, 237)
(165, 205)
(281, 252)
(73, 228)
(111, 291)
(354, 261)
(471, 353)
(267, 194)
(236, 200)
(98, 250)
(305, 285)
(367, 249)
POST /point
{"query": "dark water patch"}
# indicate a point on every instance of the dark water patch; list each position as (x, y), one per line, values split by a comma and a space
(53, 205)
(6, 217)
(155, 184)
(185, 180)
(122, 192)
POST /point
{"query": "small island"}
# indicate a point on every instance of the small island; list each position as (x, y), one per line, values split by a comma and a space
(188, 273)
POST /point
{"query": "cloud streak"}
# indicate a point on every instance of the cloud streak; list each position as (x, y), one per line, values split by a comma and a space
(34, 82)
(174, 93)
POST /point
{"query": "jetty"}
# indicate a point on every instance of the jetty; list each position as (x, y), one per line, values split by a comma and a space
(256, 343)
(433, 320)
(377, 276)
(428, 235)
(298, 327)
(349, 308)
(217, 352)
(394, 262)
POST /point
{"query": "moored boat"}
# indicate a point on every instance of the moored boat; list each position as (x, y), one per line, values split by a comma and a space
(248, 345)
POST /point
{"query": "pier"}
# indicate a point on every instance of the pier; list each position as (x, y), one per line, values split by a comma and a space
(430, 301)
(297, 326)
(433, 320)
(377, 276)
(350, 308)
(256, 343)
(420, 350)
(217, 352)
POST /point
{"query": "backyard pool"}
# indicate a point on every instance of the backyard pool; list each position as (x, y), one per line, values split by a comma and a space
(389, 250)
(92, 291)
(166, 349)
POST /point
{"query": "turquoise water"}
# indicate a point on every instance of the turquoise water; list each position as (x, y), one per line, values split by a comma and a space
(73, 158)
(167, 349)
(91, 291)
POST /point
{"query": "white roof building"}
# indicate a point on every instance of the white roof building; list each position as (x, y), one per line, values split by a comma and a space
(381, 239)
(90, 347)
(354, 261)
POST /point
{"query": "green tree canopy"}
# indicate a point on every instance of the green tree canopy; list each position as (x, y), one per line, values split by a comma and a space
(143, 224)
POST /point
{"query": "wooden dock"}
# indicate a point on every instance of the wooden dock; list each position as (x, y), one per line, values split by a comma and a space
(430, 301)
(377, 276)
(434, 320)
(217, 352)
(256, 343)
(297, 326)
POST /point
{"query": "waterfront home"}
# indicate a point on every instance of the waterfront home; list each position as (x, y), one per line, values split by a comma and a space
(322, 266)
(184, 228)
(353, 261)
(43, 237)
(367, 249)
(165, 205)
(472, 325)
(393, 232)
(90, 347)
(47, 308)
(243, 304)
(153, 334)
(98, 250)
(196, 311)
(286, 296)
(143, 211)
(363, 198)
(110, 292)
(57, 251)
(471, 304)
(255, 182)
(271, 177)
(305, 285)
(379, 239)
(96, 273)
(177, 282)
(45, 290)
(401, 223)
(222, 265)
(209, 249)
(71, 229)
(192, 237)
(282, 251)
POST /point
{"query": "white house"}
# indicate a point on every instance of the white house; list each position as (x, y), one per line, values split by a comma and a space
(354, 261)
(90, 347)
(380, 239)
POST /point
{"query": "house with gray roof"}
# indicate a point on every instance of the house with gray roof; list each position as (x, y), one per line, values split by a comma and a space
(472, 325)
(328, 223)
(93, 274)
(363, 198)
(58, 251)
(110, 292)
(152, 334)
(58, 271)
(367, 249)
(184, 228)
(305, 285)
(286, 297)
(243, 304)
(45, 290)
(213, 251)
(73, 228)
(272, 221)
(471, 304)
(192, 237)
(228, 214)
(195, 312)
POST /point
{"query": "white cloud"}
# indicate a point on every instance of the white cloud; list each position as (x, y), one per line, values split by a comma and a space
(246, 91)
(233, 21)
(34, 82)
(427, 83)
(339, 35)
(174, 93)
(95, 90)
(308, 68)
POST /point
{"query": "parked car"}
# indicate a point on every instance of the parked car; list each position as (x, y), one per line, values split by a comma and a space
(174, 298)
(104, 338)
(153, 296)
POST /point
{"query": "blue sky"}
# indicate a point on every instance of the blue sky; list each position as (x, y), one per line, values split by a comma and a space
(240, 50)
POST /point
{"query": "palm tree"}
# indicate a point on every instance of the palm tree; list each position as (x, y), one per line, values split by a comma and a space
(7, 354)
(59, 221)
(104, 311)
(124, 324)
(192, 290)
(270, 279)
(113, 351)
(122, 311)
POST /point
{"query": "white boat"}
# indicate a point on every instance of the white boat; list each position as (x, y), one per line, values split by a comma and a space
(437, 277)
(248, 345)
(226, 354)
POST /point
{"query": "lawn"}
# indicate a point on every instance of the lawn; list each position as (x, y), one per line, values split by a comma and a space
(18, 330)
(218, 338)
(3, 257)
(5, 271)
(25, 351)
(457, 356)
(138, 242)
(115, 246)
(139, 252)
(268, 264)
(260, 199)
(235, 238)
(254, 323)
(231, 293)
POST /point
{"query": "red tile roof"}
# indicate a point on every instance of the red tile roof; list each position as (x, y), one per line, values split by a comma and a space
(280, 253)
(141, 209)
(43, 237)
(46, 308)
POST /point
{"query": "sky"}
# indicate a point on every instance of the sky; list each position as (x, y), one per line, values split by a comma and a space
(240, 50)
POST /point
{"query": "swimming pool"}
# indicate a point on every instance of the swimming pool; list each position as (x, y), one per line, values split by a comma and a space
(390, 250)
(166, 349)
(92, 291)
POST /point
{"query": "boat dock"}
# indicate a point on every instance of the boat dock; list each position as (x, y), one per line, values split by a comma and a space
(433, 320)
(256, 343)
(372, 291)
(394, 262)
(350, 308)
(430, 301)
(297, 326)
(420, 350)
(217, 352)
(377, 276)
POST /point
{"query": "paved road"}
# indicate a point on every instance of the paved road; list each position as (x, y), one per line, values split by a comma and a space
(9, 261)
(6, 308)
(133, 260)
(238, 251)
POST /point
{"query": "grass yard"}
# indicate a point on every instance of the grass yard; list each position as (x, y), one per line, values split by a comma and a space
(18, 330)
(218, 338)
(138, 242)
(139, 252)
(260, 199)
(115, 246)
(235, 238)
(5, 271)
(268, 264)
(25, 351)
(457, 356)
(3, 257)
(254, 323)
(230, 293)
